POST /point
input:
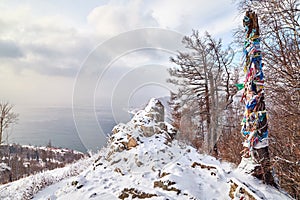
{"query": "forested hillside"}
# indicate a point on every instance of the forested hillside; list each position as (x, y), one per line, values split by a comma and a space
(19, 161)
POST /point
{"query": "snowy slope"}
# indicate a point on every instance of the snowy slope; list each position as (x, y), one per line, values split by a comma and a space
(25, 188)
(155, 167)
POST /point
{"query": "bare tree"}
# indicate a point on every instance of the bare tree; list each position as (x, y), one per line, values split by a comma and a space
(203, 79)
(7, 117)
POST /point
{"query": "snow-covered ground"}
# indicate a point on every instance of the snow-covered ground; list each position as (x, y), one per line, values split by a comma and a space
(26, 188)
(154, 167)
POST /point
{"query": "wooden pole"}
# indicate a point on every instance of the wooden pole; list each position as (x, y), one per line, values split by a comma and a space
(255, 120)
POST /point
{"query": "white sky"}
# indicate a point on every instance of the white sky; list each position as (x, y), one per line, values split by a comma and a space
(43, 44)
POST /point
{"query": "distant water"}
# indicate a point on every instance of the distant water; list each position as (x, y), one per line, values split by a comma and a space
(37, 126)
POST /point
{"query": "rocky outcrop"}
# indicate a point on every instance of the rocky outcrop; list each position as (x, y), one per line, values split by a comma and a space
(156, 114)
(155, 110)
(145, 123)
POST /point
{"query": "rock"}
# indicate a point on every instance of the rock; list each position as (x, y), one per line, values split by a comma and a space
(131, 142)
(148, 130)
(134, 193)
(118, 170)
(147, 122)
(155, 110)
(166, 185)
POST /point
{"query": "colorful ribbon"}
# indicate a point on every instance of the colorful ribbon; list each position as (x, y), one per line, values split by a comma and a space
(254, 123)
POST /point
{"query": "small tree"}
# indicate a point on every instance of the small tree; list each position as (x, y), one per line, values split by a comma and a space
(7, 117)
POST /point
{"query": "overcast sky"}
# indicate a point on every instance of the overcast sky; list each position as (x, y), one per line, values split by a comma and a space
(44, 46)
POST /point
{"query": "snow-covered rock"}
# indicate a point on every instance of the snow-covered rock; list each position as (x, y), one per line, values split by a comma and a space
(4, 167)
(156, 167)
(145, 123)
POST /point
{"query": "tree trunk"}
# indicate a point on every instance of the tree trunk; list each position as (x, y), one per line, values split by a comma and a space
(207, 104)
(263, 171)
(212, 113)
(1, 129)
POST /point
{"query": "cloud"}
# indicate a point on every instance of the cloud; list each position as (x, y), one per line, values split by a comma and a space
(54, 45)
(48, 45)
(216, 17)
(9, 49)
(40, 56)
(202, 15)
(119, 16)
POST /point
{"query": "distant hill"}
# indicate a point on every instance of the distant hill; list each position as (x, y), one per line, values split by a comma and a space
(18, 161)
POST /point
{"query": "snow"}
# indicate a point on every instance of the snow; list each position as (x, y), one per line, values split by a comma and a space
(27, 187)
(4, 167)
(141, 167)
(151, 104)
(158, 167)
